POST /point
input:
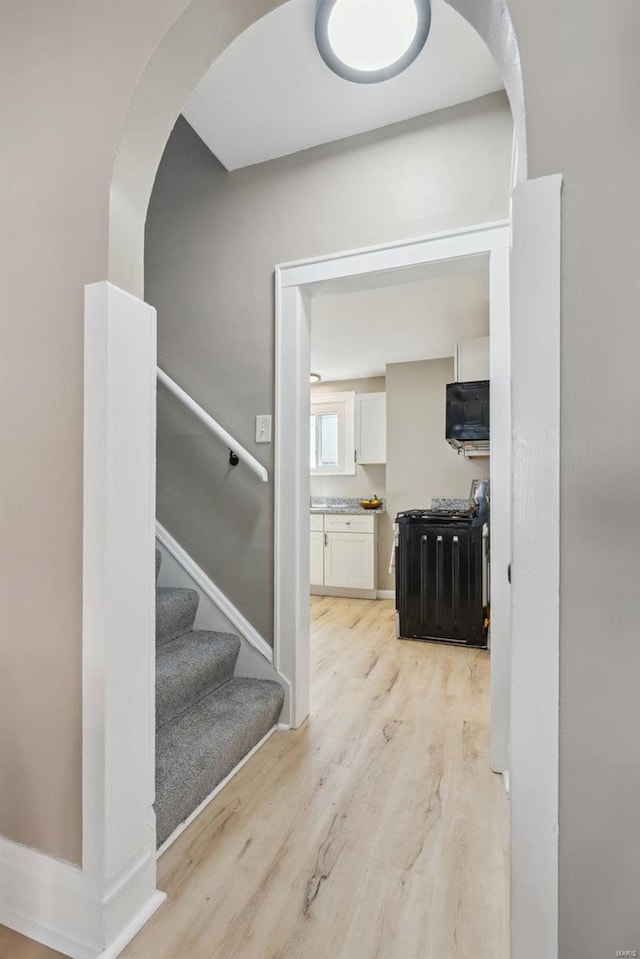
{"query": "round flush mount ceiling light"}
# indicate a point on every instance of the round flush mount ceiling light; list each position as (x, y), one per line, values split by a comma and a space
(314, 377)
(367, 41)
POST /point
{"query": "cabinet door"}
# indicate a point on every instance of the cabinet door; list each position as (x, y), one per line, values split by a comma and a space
(371, 428)
(316, 565)
(349, 560)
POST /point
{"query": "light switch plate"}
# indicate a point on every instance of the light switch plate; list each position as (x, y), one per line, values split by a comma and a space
(263, 428)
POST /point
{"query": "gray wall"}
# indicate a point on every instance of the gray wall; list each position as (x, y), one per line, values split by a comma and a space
(581, 66)
(212, 241)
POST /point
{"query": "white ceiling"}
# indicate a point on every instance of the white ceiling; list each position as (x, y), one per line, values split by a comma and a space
(418, 314)
(270, 93)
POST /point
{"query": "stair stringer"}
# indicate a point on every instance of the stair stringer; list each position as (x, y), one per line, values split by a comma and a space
(217, 612)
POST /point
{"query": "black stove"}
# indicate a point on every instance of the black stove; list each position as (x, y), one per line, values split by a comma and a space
(439, 571)
(431, 516)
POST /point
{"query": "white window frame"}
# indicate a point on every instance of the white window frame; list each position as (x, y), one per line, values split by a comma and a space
(344, 404)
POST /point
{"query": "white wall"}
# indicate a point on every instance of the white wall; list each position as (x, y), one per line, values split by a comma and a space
(399, 317)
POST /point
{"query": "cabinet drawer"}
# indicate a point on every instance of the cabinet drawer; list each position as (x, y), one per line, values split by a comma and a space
(315, 522)
(350, 523)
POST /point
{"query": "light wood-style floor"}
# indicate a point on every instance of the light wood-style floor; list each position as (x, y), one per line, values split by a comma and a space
(375, 831)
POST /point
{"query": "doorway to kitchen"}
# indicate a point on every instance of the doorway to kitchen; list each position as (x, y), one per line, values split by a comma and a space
(296, 286)
(385, 351)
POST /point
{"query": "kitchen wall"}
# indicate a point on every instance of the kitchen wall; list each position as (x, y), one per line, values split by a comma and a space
(420, 462)
(212, 241)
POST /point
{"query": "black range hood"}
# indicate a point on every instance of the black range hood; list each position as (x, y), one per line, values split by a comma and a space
(467, 416)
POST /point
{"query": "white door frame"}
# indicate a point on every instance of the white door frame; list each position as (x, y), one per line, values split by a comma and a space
(525, 673)
(294, 283)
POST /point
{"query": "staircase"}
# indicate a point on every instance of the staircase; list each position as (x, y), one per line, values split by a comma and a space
(207, 719)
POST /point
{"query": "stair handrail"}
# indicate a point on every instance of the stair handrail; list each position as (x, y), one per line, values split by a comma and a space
(235, 448)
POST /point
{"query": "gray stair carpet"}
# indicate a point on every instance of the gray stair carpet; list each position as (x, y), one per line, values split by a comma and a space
(207, 719)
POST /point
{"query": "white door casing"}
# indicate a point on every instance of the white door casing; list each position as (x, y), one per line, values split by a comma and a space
(294, 284)
(536, 221)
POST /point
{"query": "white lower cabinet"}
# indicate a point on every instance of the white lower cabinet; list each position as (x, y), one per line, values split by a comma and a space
(349, 560)
(316, 565)
(343, 555)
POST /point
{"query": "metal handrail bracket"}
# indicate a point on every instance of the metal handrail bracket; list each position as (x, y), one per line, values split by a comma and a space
(234, 447)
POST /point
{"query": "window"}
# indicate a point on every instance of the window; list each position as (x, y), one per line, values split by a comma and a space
(331, 434)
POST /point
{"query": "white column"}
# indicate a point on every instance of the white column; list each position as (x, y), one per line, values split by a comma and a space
(119, 613)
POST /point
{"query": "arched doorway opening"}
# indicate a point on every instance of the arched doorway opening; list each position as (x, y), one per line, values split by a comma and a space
(164, 87)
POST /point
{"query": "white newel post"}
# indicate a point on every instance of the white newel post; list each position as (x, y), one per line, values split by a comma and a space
(119, 863)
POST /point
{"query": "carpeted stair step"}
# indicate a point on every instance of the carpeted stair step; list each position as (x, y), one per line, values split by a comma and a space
(176, 610)
(195, 751)
(158, 562)
(190, 667)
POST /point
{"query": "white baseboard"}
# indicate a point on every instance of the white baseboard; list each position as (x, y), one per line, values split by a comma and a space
(385, 594)
(205, 802)
(134, 927)
(215, 594)
(59, 905)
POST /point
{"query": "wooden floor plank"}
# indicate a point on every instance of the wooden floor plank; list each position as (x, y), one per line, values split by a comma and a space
(375, 831)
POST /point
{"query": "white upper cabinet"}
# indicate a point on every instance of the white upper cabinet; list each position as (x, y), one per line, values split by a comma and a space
(371, 428)
(472, 359)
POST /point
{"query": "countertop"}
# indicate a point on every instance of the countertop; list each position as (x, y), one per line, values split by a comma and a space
(334, 504)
